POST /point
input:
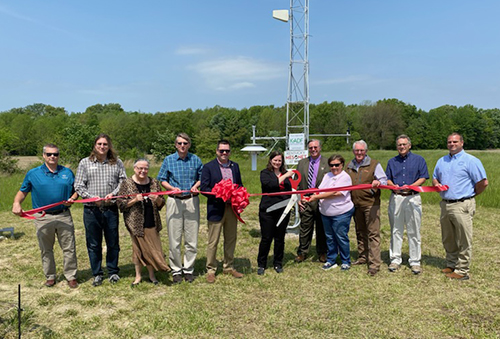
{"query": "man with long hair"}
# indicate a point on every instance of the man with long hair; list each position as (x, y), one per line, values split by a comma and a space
(100, 175)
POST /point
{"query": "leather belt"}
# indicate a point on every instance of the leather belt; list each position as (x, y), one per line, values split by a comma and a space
(184, 197)
(56, 212)
(103, 208)
(405, 194)
(457, 200)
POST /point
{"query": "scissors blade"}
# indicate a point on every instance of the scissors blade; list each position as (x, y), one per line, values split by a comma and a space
(277, 206)
(293, 199)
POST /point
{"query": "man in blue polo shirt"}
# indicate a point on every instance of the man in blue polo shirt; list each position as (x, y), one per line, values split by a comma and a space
(466, 178)
(181, 171)
(51, 183)
(405, 205)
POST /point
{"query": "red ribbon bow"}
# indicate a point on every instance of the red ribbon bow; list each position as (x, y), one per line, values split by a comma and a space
(238, 196)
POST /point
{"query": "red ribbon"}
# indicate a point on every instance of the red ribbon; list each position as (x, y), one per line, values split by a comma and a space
(238, 196)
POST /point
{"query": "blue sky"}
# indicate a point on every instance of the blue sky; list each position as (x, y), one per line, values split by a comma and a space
(162, 55)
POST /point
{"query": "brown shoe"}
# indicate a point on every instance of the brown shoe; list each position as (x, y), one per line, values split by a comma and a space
(372, 271)
(447, 270)
(300, 258)
(359, 262)
(322, 257)
(234, 273)
(210, 278)
(457, 276)
(73, 283)
(50, 282)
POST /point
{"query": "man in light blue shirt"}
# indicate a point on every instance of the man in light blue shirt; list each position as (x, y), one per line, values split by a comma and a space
(51, 183)
(466, 178)
(181, 171)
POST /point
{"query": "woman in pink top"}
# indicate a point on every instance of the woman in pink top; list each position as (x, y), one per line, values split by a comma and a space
(336, 210)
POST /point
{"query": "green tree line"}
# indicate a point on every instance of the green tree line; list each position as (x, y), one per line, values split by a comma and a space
(23, 131)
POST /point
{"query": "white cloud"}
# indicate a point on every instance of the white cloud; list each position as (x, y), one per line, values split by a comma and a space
(236, 73)
(185, 50)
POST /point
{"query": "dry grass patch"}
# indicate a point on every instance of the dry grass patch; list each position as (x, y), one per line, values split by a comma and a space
(304, 301)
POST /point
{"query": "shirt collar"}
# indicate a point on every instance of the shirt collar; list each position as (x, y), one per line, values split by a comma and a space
(405, 157)
(458, 155)
(314, 161)
(224, 165)
(177, 157)
(46, 170)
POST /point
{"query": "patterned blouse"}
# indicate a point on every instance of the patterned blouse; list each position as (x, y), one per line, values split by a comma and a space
(134, 215)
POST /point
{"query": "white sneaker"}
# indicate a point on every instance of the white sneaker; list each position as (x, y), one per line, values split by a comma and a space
(328, 266)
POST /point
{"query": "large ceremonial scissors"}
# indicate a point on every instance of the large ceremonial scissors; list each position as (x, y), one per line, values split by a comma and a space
(288, 203)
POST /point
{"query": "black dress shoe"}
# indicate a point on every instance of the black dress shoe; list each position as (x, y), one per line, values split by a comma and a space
(189, 277)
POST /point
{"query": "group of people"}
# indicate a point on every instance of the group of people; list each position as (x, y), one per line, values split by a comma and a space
(331, 212)
(101, 179)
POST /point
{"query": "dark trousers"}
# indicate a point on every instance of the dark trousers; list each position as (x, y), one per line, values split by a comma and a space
(269, 231)
(98, 222)
(308, 218)
(367, 220)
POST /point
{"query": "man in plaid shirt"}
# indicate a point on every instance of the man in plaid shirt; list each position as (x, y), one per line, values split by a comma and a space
(181, 171)
(100, 175)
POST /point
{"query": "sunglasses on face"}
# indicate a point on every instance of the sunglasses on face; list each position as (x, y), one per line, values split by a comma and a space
(222, 151)
(182, 143)
(52, 154)
(334, 165)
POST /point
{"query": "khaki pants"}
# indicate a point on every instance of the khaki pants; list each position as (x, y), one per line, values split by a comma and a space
(47, 227)
(228, 224)
(183, 218)
(456, 232)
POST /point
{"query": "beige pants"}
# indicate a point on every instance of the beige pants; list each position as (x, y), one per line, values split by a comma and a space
(228, 224)
(456, 232)
(183, 219)
(47, 227)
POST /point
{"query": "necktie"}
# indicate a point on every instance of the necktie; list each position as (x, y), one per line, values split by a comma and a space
(310, 175)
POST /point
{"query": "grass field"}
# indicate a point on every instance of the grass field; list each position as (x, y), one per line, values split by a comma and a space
(303, 302)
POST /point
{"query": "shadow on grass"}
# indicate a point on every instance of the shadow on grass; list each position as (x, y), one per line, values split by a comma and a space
(240, 264)
(254, 232)
(428, 260)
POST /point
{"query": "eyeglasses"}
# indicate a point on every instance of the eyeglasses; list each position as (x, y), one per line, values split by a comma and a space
(313, 147)
(52, 154)
(335, 165)
(359, 150)
(182, 143)
(224, 151)
(145, 169)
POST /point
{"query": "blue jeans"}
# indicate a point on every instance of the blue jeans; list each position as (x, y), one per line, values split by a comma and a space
(337, 237)
(96, 223)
